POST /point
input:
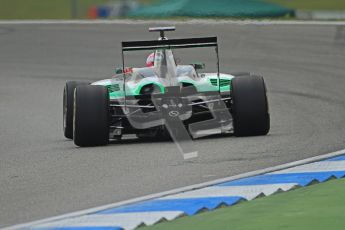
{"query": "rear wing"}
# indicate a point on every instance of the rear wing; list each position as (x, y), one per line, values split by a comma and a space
(170, 44)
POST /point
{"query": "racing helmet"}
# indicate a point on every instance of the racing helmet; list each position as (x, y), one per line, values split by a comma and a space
(150, 61)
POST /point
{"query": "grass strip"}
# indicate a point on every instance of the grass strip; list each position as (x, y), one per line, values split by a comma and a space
(320, 206)
(61, 9)
(44, 9)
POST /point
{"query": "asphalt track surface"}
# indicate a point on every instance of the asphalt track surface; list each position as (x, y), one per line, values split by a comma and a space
(42, 174)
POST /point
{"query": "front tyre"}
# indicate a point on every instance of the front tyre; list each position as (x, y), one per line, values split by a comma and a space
(249, 106)
(91, 115)
(68, 100)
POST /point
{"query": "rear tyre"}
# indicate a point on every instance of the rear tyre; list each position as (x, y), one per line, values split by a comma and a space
(249, 106)
(68, 100)
(91, 115)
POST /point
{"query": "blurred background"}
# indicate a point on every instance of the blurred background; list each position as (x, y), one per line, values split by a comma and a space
(176, 9)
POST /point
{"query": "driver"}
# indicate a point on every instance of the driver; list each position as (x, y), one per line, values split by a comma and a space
(150, 61)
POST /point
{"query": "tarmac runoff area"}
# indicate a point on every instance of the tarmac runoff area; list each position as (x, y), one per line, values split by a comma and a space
(195, 199)
(44, 175)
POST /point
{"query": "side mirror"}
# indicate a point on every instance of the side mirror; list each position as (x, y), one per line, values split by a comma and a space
(198, 66)
(118, 70)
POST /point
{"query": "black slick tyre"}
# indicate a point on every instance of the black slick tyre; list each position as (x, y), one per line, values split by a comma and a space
(68, 100)
(249, 107)
(91, 116)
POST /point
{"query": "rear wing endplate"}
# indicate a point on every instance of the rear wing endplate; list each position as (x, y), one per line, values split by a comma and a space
(170, 44)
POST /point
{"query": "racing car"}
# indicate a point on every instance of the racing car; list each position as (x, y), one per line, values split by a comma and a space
(165, 99)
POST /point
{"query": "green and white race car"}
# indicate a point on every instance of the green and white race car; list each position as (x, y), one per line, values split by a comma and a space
(165, 99)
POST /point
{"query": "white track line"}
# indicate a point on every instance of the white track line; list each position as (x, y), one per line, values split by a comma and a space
(123, 220)
(249, 192)
(180, 190)
(324, 166)
(174, 22)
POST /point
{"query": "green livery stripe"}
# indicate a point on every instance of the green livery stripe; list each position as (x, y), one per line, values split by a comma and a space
(223, 82)
(113, 88)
